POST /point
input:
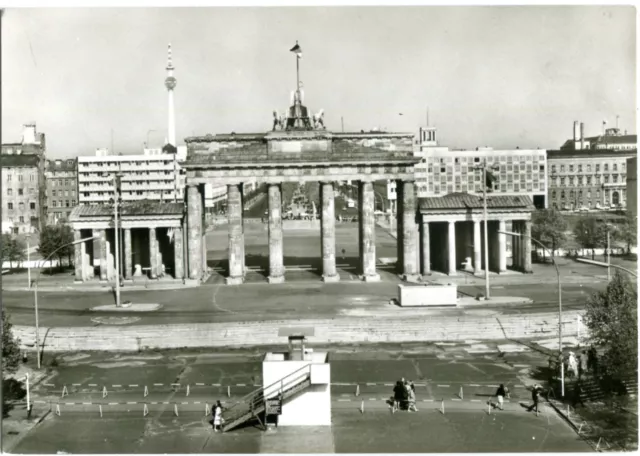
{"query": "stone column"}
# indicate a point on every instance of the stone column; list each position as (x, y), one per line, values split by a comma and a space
(103, 255)
(477, 247)
(527, 247)
(236, 236)
(451, 240)
(502, 247)
(178, 258)
(153, 253)
(159, 260)
(426, 249)
(128, 255)
(409, 232)
(78, 256)
(514, 246)
(194, 235)
(276, 254)
(204, 235)
(367, 222)
(399, 226)
(328, 232)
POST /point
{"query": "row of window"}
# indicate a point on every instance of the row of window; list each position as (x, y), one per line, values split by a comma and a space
(66, 192)
(503, 169)
(32, 191)
(579, 167)
(138, 183)
(62, 182)
(138, 163)
(587, 180)
(579, 194)
(130, 193)
(32, 176)
(55, 203)
(20, 219)
(513, 187)
(32, 206)
(494, 159)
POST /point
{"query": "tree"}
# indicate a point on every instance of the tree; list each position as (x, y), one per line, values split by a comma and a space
(612, 319)
(56, 238)
(590, 234)
(549, 227)
(13, 249)
(627, 232)
(10, 361)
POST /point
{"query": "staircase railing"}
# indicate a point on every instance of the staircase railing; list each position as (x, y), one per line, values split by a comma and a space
(252, 402)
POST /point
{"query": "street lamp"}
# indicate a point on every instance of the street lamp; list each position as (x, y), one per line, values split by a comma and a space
(559, 301)
(116, 199)
(484, 167)
(28, 260)
(35, 290)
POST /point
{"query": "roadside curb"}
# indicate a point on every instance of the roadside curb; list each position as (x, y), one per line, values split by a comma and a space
(569, 421)
(102, 289)
(26, 432)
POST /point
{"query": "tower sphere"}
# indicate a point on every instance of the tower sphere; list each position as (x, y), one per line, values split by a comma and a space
(170, 82)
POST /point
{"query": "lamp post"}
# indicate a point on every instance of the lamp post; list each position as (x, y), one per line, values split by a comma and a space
(28, 260)
(35, 289)
(484, 167)
(553, 259)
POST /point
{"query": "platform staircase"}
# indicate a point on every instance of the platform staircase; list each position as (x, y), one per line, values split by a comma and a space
(254, 404)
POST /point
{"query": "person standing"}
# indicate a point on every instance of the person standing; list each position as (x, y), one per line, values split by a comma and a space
(412, 398)
(217, 416)
(535, 396)
(398, 392)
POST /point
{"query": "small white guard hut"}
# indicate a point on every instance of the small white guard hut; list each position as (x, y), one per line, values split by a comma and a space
(297, 383)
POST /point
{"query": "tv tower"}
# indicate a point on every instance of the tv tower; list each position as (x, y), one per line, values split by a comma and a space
(170, 83)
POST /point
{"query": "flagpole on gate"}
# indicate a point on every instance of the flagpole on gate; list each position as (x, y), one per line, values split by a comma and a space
(486, 237)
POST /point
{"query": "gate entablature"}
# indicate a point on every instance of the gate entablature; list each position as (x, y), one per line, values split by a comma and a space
(299, 156)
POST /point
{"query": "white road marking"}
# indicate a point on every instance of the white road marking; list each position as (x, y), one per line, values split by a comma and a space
(443, 386)
(475, 400)
(131, 403)
(48, 384)
(116, 386)
(240, 384)
(427, 400)
(86, 403)
(370, 384)
(199, 384)
(475, 384)
(158, 384)
(215, 384)
(133, 386)
(373, 399)
(112, 403)
(92, 384)
(344, 400)
(75, 384)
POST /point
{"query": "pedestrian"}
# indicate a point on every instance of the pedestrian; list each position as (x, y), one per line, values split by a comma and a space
(216, 412)
(398, 392)
(412, 399)
(500, 395)
(535, 396)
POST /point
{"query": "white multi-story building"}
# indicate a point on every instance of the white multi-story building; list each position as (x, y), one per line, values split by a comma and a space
(149, 177)
(442, 170)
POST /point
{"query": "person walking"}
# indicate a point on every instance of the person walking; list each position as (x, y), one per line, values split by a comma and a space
(216, 411)
(398, 392)
(412, 398)
(501, 393)
(535, 396)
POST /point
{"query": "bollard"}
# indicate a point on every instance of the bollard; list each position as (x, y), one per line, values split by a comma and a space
(206, 409)
(357, 390)
(461, 393)
(187, 390)
(65, 392)
(100, 410)
(175, 409)
(228, 391)
(145, 410)
(362, 407)
(489, 407)
(104, 391)
(58, 409)
(146, 391)
(442, 406)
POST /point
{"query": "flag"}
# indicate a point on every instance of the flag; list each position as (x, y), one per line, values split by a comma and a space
(489, 180)
(297, 50)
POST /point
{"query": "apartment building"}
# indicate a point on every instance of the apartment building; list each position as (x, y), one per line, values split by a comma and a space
(24, 205)
(62, 188)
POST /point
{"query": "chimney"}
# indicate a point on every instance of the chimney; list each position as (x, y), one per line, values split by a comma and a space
(29, 133)
(582, 135)
(576, 131)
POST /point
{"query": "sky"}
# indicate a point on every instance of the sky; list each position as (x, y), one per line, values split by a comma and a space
(502, 77)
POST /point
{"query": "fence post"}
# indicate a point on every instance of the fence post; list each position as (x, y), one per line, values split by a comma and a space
(228, 391)
(175, 409)
(104, 391)
(58, 409)
(580, 428)
(100, 406)
(206, 409)
(489, 407)
(461, 393)
(146, 391)
(598, 444)
(357, 390)
(188, 390)
(145, 410)
(28, 397)
(362, 407)
(442, 406)
(65, 392)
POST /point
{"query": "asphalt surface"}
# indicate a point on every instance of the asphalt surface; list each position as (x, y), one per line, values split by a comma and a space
(439, 372)
(221, 303)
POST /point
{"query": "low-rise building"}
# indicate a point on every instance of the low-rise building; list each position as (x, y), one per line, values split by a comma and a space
(62, 188)
(24, 206)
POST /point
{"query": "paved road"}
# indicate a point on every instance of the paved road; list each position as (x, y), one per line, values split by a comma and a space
(439, 371)
(220, 303)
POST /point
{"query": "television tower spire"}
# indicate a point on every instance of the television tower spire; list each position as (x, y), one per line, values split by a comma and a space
(170, 83)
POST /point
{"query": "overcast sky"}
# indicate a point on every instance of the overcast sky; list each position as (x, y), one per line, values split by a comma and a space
(494, 76)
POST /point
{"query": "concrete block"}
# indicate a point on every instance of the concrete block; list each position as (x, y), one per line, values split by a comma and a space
(427, 295)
